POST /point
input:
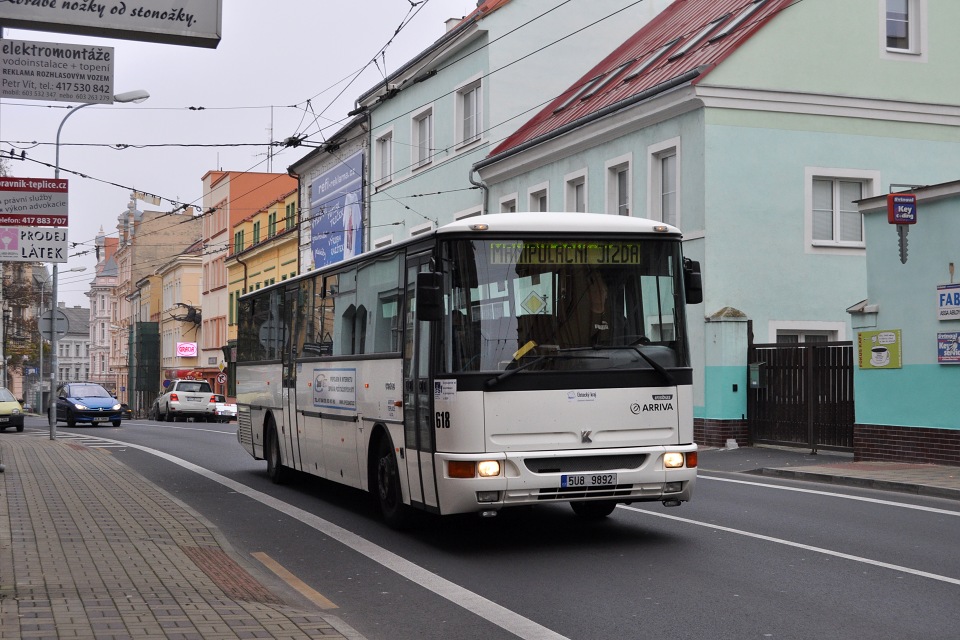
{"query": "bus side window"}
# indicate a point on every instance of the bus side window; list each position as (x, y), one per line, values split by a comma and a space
(376, 320)
(323, 315)
(346, 329)
(305, 317)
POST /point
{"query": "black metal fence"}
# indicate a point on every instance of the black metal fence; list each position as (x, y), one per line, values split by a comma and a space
(802, 394)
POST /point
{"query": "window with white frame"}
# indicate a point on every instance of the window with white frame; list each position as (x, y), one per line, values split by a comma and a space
(797, 337)
(618, 186)
(576, 192)
(805, 331)
(423, 138)
(664, 181)
(834, 217)
(469, 112)
(538, 198)
(903, 28)
(385, 158)
(508, 204)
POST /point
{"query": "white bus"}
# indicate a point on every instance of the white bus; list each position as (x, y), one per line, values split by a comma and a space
(503, 360)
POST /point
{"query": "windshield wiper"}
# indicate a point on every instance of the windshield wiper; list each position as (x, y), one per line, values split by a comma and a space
(494, 381)
(659, 368)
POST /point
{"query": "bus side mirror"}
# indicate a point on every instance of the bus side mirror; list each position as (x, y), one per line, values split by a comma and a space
(692, 281)
(429, 296)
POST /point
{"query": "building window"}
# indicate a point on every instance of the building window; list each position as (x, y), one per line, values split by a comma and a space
(385, 158)
(423, 138)
(835, 215)
(238, 241)
(663, 181)
(576, 192)
(903, 29)
(256, 232)
(538, 198)
(898, 24)
(290, 218)
(508, 204)
(470, 113)
(618, 186)
(272, 224)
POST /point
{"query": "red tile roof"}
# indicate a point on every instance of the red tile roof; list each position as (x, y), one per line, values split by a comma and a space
(712, 29)
(483, 8)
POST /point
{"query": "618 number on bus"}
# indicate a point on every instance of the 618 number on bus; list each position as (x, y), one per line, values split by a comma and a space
(443, 419)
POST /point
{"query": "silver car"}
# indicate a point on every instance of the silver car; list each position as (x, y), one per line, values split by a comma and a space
(185, 399)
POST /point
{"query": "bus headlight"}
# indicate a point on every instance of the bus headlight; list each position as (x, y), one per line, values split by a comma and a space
(673, 460)
(488, 468)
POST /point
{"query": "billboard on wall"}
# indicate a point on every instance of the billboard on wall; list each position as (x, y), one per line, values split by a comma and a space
(336, 212)
(194, 23)
(52, 71)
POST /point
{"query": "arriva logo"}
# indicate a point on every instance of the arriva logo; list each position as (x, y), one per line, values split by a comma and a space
(665, 404)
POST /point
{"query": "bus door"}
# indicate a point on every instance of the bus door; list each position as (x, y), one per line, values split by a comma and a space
(419, 442)
(288, 396)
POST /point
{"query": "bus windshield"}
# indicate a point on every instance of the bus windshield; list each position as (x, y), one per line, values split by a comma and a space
(563, 304)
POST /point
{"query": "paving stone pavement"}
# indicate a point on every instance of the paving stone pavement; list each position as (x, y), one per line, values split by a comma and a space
(91, 549)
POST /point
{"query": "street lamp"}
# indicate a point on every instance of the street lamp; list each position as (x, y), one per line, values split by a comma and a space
(138, 95)
(43, 286)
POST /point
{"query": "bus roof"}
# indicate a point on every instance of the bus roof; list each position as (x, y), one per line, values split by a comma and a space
(558, 221)
(540, 222)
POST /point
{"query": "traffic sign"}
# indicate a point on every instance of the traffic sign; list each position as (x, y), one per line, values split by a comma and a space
(59, 321)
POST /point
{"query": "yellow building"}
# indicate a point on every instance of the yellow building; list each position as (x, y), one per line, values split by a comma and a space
(264, 251)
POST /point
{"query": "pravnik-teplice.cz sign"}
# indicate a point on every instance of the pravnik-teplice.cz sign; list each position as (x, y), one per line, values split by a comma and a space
(33, 219)
(195, 23)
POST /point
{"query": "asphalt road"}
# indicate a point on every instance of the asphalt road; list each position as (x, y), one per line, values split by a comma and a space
(749, 557)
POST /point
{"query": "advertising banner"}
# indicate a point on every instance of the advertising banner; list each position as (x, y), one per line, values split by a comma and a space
(880, 349)
(33, 244)
(948, 348)
(194, 23)
(186, 349)
(948, 301)
(336, 212)
(59, 72)
(33, 202)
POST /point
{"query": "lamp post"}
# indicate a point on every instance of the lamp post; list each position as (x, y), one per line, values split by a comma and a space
(43, 286)
(138, 95)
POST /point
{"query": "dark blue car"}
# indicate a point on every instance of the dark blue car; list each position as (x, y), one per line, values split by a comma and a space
(88, 402)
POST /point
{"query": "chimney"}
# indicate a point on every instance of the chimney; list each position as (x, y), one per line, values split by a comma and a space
(451, 23)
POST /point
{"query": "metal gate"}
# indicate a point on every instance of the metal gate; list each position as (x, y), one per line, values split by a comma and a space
(802, 395)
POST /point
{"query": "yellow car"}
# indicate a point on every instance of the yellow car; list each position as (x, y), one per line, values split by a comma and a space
(11, 413)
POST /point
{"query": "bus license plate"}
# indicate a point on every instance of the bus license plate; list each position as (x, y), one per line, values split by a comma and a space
(588, 480)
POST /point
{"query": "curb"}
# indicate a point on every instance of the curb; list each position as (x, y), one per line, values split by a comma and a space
(864, 483)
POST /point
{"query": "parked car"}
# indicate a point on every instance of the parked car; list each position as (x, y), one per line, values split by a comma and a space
(226, 411)
(126, 412)
(185, 399)
(11, 412)
(88, 402)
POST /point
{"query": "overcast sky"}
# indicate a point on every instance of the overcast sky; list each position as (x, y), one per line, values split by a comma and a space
(254, 87)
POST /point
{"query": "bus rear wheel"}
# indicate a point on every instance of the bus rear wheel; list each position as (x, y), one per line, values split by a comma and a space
(594, 510)
(275, 469)
(389, 497)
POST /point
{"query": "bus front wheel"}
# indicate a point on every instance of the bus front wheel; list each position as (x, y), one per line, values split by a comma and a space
(594, 510)
(275, 469)
(389, 497)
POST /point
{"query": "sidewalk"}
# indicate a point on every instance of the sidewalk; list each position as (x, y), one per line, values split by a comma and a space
(90, 549)
(834, 468)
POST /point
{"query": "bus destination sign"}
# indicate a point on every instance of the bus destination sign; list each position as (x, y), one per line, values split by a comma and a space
(555, 252)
